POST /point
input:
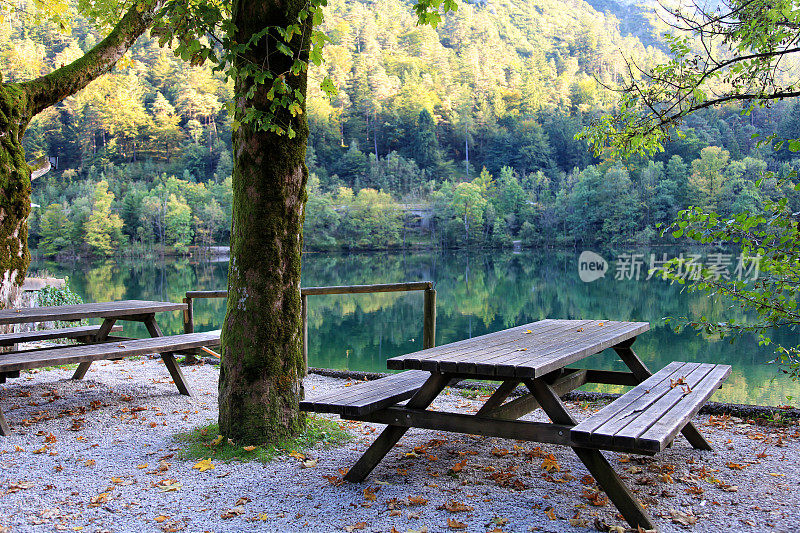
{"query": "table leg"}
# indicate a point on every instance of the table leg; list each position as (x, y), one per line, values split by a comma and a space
(498, 397)
(595, 462)
(4, 429)
(169, 359)
(640, 370)
(102, 334)
(389, 437)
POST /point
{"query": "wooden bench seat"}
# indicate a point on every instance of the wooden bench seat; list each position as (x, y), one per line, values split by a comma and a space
(85, 354)
(368, 397)
(85, 333)
(647, 418)
(110, 350)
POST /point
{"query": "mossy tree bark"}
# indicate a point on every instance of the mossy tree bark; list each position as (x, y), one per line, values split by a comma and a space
(19, 103)
(262, 362)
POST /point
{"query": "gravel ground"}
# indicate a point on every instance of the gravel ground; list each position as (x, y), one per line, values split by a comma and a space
(92, 455)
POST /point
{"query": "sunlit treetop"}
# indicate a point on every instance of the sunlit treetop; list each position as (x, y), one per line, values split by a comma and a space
(742, 51)
(201, 30)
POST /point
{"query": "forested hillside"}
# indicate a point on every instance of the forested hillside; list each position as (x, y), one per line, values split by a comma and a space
(471, 124)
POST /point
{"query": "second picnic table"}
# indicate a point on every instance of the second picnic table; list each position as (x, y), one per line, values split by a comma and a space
(644, 420)
(99, 344)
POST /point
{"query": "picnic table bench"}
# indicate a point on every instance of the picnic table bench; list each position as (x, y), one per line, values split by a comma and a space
(644, 420)
(98, 344)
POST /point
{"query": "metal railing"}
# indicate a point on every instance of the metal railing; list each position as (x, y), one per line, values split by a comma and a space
(429, 305)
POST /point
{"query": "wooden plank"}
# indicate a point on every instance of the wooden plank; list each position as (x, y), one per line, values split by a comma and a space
(95, 352)
(9, 339)
(531, 345)
(334, 401)
(483, 347)
(409, 361)
(470, 424)
(640, 370)
(634, 399)
(568, 354)
(536, 363)
(344, 393)
(361, 289)
(638, 424)
(664, 430)
(207, 294)
(527, 345)
(121, 308)
(361, 402)
(507, 362)
(604, 427)
(551, 342)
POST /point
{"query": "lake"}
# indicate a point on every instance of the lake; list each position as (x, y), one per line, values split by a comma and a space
(477, 292)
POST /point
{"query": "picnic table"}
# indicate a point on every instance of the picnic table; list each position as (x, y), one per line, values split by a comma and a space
(97, 343)
(645, 420)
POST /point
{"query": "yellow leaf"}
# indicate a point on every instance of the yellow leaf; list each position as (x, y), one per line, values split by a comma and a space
(40, 450)
(550, 463)
(217, 440)
(161, 518)
(297, 455)
(140, 467)
(550, 513)
(204, 465)
(248, 448)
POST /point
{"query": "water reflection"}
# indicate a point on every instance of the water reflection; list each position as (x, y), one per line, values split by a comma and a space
(477, 293)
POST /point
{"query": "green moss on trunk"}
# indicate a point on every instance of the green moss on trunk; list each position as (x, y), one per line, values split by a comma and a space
(262, 363)
(15, 189)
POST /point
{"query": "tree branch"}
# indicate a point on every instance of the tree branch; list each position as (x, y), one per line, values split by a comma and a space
(69, 79)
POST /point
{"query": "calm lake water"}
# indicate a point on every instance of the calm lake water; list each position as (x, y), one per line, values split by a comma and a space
(477, 292)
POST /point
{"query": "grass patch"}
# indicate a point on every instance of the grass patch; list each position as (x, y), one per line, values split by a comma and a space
(474, 394)
(205, 442)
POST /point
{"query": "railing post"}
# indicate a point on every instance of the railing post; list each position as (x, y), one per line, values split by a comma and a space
(188, 327)
(429, 326)
(188, 315)
(304, 317)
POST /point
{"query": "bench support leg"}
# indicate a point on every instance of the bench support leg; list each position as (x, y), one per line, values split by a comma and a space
(177, 375)
(389, 437)
(169, 359)
(4, 429)
(595, 462)
(102, 334)
(641, 372)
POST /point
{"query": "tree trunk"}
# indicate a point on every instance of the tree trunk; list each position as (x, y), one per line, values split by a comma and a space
(15, 191)
(262, 360)
(19, 103)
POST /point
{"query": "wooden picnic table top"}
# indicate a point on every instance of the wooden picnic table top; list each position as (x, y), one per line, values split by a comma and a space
(527, 351)
(119, 309)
